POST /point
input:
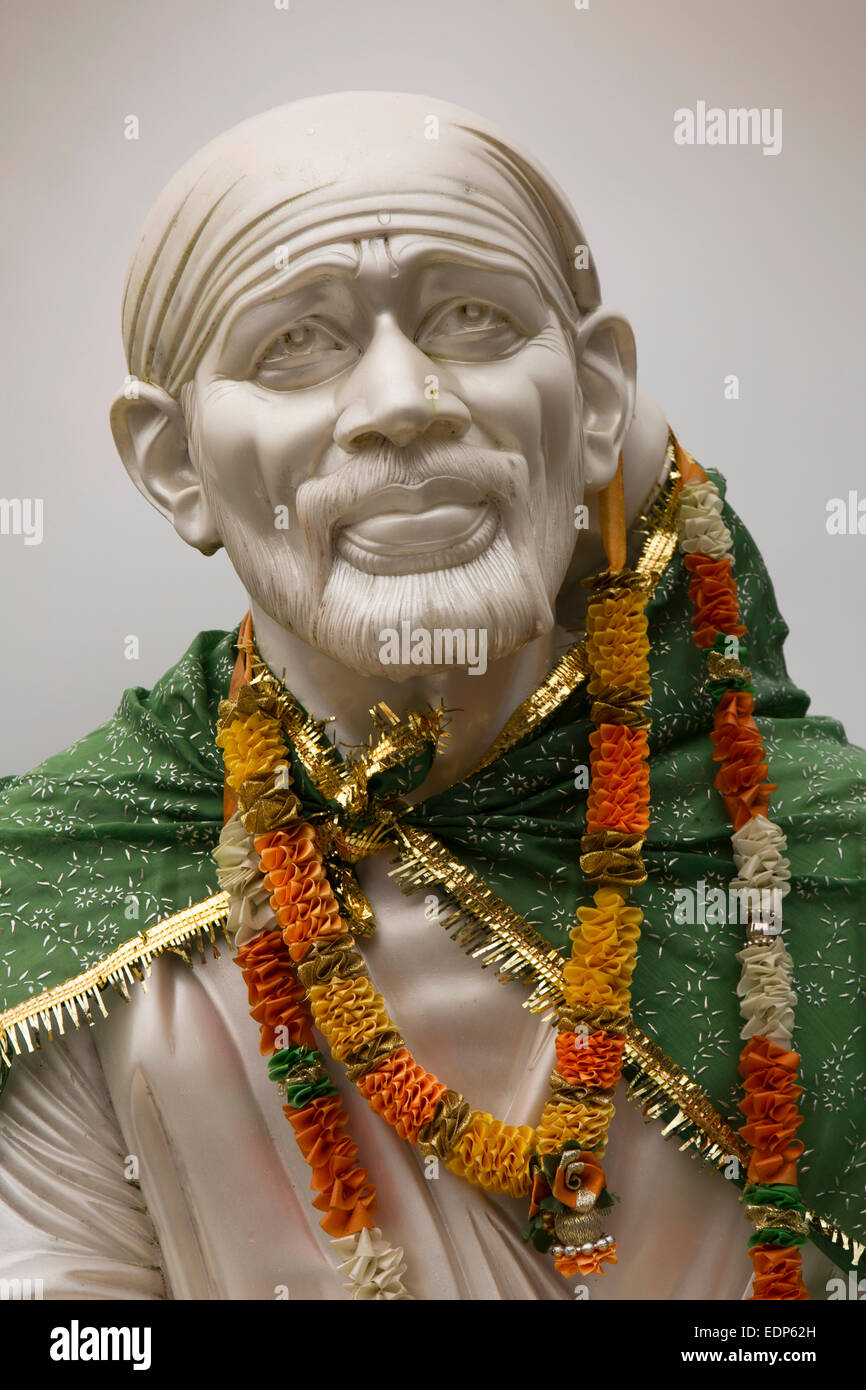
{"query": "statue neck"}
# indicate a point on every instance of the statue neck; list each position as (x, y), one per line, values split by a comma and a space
(478, 706)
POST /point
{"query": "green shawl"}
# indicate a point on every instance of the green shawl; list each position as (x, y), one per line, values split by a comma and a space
(116, 832)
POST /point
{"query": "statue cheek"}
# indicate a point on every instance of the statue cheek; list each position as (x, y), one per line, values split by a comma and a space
(504, 402)
(534, 394)
(225, 424)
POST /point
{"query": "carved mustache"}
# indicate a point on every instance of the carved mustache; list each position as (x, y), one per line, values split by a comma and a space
(473, 473)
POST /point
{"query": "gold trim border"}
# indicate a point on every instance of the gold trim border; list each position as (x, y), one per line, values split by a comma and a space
(128, 965)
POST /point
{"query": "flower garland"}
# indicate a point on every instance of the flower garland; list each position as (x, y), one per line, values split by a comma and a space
(308, 970)
(767, 1065)
(569, 1188)
(253, 747)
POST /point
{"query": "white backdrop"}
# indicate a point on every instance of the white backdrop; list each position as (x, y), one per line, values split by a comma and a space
(726, 261)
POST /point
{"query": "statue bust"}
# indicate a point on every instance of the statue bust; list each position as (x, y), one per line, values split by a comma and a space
(368, 356)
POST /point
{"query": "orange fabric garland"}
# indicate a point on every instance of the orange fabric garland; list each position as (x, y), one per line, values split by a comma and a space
(350, 1013)
(592, 1061)
(777, 1274)
(739, 747)
(275, 993)
(403, 1092)
(346, 1195)
(713, 591)
(619, 786)
(770, 1107)
(569, 1265)
(769, 1072)
(301, 895)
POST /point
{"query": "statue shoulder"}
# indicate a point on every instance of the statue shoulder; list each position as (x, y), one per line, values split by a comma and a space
(116, 831)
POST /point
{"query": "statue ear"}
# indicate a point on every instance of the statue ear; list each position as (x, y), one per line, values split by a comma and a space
(607, 373)
(150, 434)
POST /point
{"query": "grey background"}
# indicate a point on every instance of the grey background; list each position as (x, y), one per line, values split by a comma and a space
(724, 259)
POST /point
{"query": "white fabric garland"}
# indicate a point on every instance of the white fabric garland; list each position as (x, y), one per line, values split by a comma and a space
(239, 875)
(759, 848)
(699, 522)
(765, 990)
(766, 994)
(372, 1268)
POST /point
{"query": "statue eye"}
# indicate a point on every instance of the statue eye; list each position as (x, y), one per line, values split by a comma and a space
(469, 331)
(307, 354)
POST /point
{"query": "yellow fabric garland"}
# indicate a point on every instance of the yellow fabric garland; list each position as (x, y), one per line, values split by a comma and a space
(604, 952)
(576, 1123)
(494, 1155)
(349, 1013)
(252, 746)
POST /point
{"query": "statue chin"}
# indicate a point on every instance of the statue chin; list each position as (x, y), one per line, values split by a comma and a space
(455, 617)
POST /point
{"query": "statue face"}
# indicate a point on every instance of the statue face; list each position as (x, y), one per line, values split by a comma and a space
(393, 436)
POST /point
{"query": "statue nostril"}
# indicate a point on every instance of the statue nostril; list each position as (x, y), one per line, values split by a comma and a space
(367, 442)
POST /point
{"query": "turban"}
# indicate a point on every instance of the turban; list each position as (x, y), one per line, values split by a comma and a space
(327, 169)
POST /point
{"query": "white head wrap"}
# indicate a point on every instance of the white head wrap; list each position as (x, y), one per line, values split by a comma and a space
(323, 170)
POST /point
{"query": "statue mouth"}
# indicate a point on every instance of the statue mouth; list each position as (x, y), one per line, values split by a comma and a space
(410, 529)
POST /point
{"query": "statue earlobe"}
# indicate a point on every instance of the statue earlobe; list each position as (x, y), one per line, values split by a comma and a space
(607, 373)
(150, 435)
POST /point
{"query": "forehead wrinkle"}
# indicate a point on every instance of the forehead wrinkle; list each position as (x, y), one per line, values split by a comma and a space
(410, 253)
(479, 255)
(203, 274)
(383, 259)
(407, 253)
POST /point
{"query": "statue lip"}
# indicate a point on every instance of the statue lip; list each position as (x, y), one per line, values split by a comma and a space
(404, 530)
(411, 499)
(409, 528)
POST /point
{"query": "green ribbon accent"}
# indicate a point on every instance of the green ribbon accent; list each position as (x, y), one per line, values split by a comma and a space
(720, 687)
(300, 1093)
(291, 1057)
(774, 1235)
(537, 1236)
(306, 1091)
(720, 646)
(773, 1195)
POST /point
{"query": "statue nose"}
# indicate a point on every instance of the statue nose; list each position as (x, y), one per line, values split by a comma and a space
(396, 393)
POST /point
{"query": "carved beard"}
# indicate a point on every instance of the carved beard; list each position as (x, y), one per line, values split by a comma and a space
(507, 591)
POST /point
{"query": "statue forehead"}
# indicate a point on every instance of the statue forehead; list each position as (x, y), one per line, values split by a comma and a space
(317, 173)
